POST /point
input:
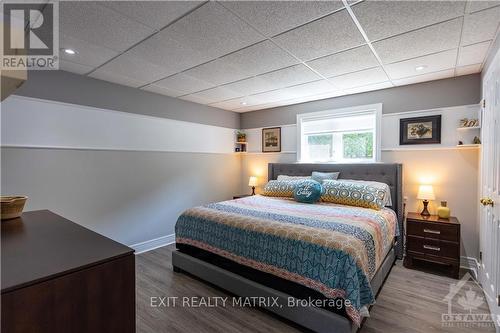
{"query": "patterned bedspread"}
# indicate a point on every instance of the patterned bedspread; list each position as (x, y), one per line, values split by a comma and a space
(331, 248)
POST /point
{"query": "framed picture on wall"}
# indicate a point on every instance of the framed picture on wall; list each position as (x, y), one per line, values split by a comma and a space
(420, 130)
(271, 140)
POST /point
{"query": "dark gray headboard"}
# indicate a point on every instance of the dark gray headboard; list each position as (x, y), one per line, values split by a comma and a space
(389, 173)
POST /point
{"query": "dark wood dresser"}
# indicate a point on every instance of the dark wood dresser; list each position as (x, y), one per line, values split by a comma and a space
(58, 276)
(433, 243)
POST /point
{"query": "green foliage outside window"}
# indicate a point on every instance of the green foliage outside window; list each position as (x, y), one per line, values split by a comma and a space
(319, 139)
(358, 145)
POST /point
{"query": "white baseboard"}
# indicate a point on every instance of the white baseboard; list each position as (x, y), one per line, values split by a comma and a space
(471, 264)
(153, 244)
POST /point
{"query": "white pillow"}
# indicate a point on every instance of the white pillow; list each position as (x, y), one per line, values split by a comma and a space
(286, 177)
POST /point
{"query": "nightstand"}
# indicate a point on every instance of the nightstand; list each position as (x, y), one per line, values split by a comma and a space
(241, 196)
(433, 242)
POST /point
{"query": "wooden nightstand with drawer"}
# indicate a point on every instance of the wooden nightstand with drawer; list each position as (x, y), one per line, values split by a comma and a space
(433, 243)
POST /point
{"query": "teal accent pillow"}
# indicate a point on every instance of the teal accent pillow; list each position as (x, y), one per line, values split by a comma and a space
(308, 191)
(322, 176)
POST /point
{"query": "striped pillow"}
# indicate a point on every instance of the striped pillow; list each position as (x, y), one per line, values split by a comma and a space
(281, 188)
(353, 193)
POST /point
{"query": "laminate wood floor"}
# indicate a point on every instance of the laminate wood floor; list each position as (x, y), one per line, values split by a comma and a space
(410, 302)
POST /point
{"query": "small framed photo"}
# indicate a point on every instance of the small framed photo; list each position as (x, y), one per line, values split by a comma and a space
(271, 140)
(420, 130)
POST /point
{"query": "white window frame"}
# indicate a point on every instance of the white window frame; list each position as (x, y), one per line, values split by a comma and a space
(345, 112)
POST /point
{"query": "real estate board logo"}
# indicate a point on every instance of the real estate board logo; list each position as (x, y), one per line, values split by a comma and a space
(30, 36)
(466, 305)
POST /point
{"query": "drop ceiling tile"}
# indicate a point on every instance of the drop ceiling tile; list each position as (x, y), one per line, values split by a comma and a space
(330, 94)
(274, 80)
(345, 62)
(256, 59)
(131, 67)
(425, 77)
(184, 83)
(195, 99)
(325, 36)
(207, 33)
(274, 17)
(473, 54)
(370, 87)
(270, 97)
(470, 69)
(213, 30)
(100, 25)
(480, 26)
(115, 78)
(217, 94)
(154, 14)
(86, 53)
(161, 49)
(476, 5)
(361, 78)
(235, 103)
(433, 63)
(436, 38)
(74, 67)
(382, 19)
(162, 90)
(290, 101)
(291, 93)
(311, 88)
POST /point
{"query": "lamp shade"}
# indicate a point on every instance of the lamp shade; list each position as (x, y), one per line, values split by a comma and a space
(425, 192)
(252, 181)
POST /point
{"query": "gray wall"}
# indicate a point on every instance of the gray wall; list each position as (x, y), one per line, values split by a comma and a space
(128, 196)
(77, 89)
(462, 90)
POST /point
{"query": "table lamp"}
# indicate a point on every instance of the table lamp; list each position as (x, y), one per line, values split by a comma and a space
(252, 182)
(425, 193)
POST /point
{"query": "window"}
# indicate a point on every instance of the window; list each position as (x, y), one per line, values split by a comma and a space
(342, 135)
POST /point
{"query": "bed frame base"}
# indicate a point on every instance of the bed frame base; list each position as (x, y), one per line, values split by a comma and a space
(313, 318)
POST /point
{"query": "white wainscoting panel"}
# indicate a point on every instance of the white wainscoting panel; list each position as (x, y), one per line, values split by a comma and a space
(30, 122)
(450, 119)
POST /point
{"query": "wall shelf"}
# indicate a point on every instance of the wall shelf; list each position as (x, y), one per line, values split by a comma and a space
(469, 128)
(469, 146)
(431, 148)
(241, 146)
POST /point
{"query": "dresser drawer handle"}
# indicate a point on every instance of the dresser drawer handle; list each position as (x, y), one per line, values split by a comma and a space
(433, 248)
(430, 231)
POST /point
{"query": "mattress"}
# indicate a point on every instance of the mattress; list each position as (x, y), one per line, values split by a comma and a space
(332, 249)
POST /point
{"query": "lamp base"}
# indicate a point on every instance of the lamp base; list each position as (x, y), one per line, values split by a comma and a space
(253, 190)
(425, 211)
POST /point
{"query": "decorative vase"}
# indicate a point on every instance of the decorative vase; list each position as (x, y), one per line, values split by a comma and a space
(443, 210)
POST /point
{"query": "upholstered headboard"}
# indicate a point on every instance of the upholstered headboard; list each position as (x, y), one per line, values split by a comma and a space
(389, 173)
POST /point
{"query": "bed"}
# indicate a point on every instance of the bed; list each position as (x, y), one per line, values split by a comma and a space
(276, 248)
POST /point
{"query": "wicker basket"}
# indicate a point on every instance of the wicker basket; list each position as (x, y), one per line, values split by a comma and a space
(12, 206)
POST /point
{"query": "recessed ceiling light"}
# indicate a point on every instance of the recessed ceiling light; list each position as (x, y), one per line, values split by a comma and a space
(70, 51)
(243, 103)
(420, 68)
